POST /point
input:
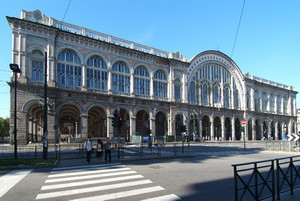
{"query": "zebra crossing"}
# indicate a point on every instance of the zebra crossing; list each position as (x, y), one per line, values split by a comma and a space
(101, 182)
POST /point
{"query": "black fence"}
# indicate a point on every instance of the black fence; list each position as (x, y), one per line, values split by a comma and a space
(258, 181)
(120, 150)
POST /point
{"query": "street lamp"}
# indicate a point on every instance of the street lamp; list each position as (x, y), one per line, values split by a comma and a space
(15, 68)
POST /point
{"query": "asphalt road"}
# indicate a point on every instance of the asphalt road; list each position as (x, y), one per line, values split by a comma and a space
(208, 176)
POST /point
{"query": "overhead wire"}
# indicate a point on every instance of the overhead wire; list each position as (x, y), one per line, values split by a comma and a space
(238, 28)
(66, 10)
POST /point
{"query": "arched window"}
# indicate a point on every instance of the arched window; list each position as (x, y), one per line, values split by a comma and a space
(177, 89)
(236, 99)
(192, 93)
(226, 94)
(96, 74)
(278, 105)
(257, 101)
(141, 81)
(120, 78)
(69, 72)
(284, 105)
(37, 67)
(205, 93)
(248, 101)
(292, 105)
(264, 102)
(216, 94)
(236, 102)
(271, 99)
(160, 84)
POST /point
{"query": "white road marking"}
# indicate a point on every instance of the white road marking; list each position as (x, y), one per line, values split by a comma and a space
(85, 167)
(82, 183)
(170, 197)
(10, 179)
(89, 176)
(90, 189)
(87, 172)
(122, 194)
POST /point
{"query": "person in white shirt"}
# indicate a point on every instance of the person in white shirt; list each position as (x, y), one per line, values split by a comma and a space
(88, 146)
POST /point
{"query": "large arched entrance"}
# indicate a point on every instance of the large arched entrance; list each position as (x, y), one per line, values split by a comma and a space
(249, 126)
(205, 128)
(228, 129)
(237, 129)
(161, 124)
(178, 124)
(279, 130)
(35, 124)
(97, 122)
(217, 129)
(142, 123)
(68, 122)
(257, 130)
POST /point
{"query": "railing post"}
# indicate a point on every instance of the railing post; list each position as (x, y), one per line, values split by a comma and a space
(291, 173)
(235, 184)
(278, 179)
(273, 181)
(256, 181)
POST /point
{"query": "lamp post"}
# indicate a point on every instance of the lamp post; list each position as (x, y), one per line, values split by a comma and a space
(15, 68)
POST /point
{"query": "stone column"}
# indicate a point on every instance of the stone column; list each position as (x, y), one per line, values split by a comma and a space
(84, 126)
(132, 85)
(276, 131)
(152, 126)
(212, 130)
(132, 126)
(109, 127)
(109, 81)
(200, 129)
(51, 132)
(223, 128)
(233, 129)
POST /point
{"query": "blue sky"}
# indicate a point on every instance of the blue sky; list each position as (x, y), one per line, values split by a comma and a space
(268, 43)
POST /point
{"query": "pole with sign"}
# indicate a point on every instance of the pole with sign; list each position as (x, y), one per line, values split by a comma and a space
(244, 133)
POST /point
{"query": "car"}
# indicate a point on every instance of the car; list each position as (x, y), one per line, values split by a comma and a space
(4, 140)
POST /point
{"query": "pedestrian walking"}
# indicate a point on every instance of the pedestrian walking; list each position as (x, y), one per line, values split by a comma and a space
(107, 147)
(88, 147)
(99, 150)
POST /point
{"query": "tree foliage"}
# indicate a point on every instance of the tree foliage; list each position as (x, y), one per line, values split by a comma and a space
(4, 127)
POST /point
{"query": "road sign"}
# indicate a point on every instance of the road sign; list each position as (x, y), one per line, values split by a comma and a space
(293, 137)
(244, 122)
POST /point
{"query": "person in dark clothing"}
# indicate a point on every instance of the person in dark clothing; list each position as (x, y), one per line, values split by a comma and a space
(107, 147)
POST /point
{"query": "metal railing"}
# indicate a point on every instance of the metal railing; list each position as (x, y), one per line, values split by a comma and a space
(288, 174)
(259, 185)
(257, 180)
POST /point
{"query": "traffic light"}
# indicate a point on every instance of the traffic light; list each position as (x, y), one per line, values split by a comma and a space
(120, 123)
(115, 120)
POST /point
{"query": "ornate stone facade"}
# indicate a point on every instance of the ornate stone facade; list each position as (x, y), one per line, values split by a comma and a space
(93, 76)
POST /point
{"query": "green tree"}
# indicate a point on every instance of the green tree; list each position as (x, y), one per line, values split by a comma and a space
(4, 127)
